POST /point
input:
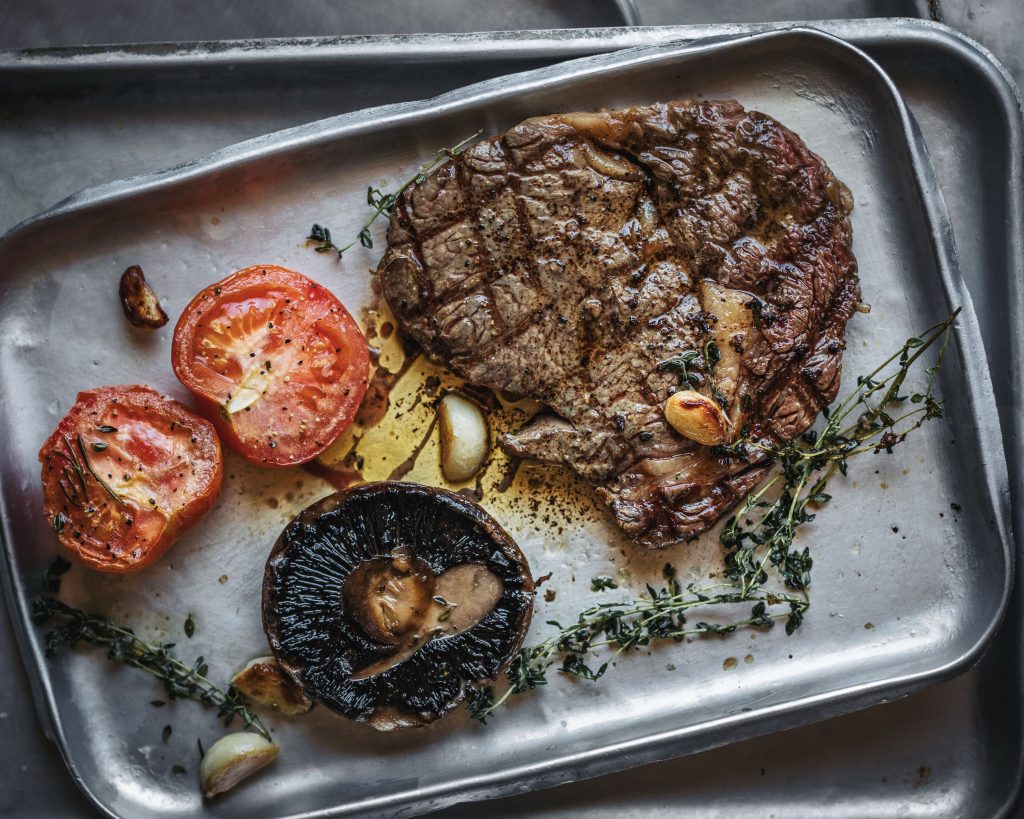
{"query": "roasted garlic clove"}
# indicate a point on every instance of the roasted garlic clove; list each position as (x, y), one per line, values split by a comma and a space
(139, 301)
(697, 417)
(264, 681)
(464, 437)
(733, 332)
(232, 758)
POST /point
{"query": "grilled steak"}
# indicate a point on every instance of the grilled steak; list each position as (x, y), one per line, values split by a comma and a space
(600, 262)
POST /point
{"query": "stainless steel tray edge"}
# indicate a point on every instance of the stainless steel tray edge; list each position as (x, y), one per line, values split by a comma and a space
(225, 158)
(413, 48)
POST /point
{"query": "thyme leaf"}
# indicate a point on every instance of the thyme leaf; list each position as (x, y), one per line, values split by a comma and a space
(766, 576)
(382, 203)
(55, 571)
(70, 626)
(682, 364)
(712, 355)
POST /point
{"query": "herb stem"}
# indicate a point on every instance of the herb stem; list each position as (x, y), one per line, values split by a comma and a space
(760, 553)
(124, 646)
(382, 203)
(85, 459)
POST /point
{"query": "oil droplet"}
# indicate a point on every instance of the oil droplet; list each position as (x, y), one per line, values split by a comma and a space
(869, 626)
(729, 664)
(748, 659)
(222, 579)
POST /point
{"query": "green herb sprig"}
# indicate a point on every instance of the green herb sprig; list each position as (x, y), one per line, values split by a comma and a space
(693, 365)
(682, 365)
(662, 615)
(71, 626)
(72, 480)
(875, 417)
(382, 203)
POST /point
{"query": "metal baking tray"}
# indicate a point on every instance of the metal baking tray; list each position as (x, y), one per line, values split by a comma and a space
(892, 759)
(805, 132)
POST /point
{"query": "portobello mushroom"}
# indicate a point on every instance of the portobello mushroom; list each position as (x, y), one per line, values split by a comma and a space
(384, 601)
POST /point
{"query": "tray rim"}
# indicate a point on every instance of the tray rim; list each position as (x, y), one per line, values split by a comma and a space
(180, 54)
(281, 141)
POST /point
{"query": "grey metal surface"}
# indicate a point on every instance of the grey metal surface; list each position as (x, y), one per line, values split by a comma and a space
(36, 23)
(884, 177)
(953, 750)
(673, 12)
(996, 24)
(55, 23)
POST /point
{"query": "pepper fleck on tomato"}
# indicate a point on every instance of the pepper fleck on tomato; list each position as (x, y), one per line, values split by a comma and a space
(126, 472)
(275, 362)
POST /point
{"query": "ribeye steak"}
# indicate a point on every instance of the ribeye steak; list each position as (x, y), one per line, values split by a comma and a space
(600, 262)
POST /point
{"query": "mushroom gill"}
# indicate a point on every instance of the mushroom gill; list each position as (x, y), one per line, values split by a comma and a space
(384, 601)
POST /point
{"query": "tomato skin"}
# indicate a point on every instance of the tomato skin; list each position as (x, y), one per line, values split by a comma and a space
(147, 470)
(275, 361)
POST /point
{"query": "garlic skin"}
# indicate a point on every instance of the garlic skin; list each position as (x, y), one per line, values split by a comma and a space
(733, 332)
(465, 438)
(697, 417)
(233, 758)
(264, 682)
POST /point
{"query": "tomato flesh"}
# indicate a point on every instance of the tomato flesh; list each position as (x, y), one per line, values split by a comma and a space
(276, 361)
(125, 473)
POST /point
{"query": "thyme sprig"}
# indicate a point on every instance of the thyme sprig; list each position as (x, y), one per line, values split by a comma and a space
(72, 477)
(761, 561)
(382, 203)
(875, 417)
(625, 626)
(689, 366)
(71, 626)
(693, 365)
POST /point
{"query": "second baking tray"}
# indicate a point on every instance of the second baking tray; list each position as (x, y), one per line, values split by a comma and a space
(890, 192)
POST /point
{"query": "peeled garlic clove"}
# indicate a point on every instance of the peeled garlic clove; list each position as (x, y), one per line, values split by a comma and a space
(464, 437)
(733, 332)
(232, 758)
(265, 682)
(697, 417)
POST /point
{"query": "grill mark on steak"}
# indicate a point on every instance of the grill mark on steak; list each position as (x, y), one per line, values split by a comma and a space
(566, 259)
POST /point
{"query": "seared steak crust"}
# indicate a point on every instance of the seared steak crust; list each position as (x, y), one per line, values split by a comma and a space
(570, 257)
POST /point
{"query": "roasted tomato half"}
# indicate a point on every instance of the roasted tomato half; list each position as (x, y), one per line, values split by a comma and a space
(276, 362)
(125, 473)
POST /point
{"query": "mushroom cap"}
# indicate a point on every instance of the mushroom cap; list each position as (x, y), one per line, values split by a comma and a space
(321, 643)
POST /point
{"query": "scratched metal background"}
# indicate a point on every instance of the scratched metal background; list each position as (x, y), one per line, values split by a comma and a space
(970, 772)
